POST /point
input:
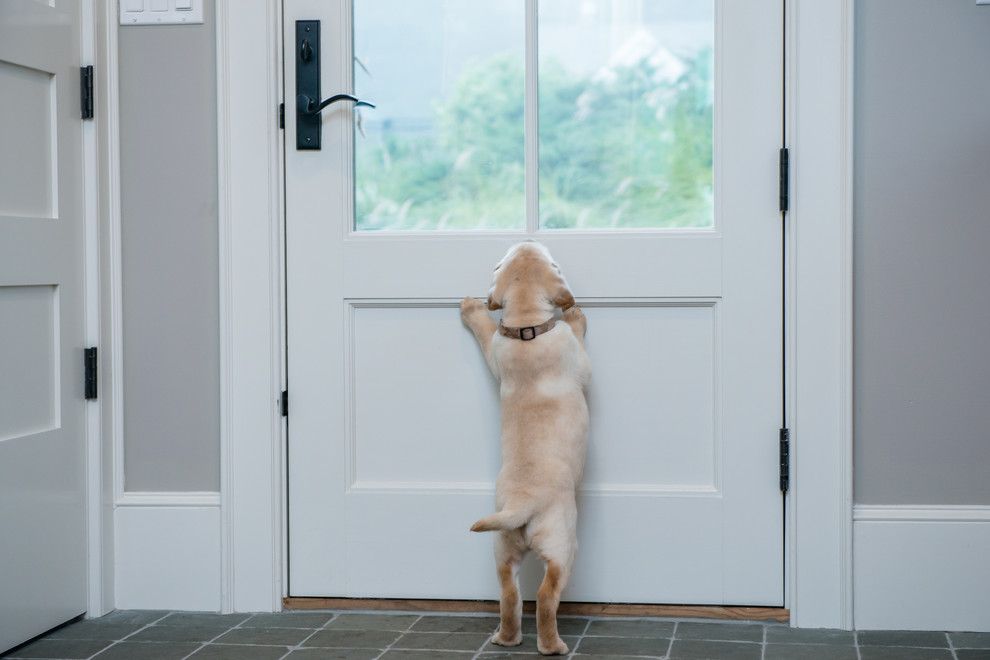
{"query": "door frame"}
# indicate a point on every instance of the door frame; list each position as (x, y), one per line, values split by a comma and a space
(818, 235)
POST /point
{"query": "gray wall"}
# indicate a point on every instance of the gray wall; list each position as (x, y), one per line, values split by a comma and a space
(922, 232)
(922, 236)
(168, 183)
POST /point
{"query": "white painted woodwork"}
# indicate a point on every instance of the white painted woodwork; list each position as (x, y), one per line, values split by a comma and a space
(393, 429)
(42, 427)
(922, 568)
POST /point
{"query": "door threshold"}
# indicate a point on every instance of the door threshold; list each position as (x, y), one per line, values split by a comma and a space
(779, 614)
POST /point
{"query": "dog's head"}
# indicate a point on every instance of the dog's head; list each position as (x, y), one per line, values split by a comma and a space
(528, 275)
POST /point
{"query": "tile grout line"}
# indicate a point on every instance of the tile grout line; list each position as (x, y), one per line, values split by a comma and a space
(303, 641)
(952, 648)
(207, 643)
(673, 636)
(401, 635)
(763, 648)
(118, 641)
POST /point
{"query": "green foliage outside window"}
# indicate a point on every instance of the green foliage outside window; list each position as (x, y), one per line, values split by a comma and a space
(627, 148)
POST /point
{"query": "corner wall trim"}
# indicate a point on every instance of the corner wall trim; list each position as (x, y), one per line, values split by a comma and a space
(922, 567)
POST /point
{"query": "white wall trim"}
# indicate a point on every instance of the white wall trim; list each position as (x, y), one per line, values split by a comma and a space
(922, 567)
(819, 568)
(170, 499)
(820, 121)
(922, 513)
(251, 336)
(103, 304)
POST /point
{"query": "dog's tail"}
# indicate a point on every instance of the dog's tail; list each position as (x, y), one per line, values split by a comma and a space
(504, 520)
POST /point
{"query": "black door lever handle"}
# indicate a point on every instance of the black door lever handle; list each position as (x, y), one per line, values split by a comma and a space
(307, 106)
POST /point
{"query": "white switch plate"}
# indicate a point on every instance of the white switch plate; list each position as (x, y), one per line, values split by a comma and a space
(161, 12)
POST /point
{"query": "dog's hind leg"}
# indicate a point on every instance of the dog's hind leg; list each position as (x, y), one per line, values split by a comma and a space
(555, 539)
(509, 552)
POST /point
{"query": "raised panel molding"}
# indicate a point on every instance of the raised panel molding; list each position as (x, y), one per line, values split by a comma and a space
(167, 551)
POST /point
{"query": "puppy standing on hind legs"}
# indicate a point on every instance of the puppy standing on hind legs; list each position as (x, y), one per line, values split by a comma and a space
(543, 370)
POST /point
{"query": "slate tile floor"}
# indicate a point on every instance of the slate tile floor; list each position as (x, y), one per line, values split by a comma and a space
(326, 635)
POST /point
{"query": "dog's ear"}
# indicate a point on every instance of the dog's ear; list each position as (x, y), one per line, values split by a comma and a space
(495, 298)
(564, 298)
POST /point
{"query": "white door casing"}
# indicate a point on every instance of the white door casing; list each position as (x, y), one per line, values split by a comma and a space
(42, 421)
(394, 416)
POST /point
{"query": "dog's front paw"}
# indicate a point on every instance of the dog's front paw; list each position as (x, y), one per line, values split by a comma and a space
(503, 640)
(575, 318)
(556, 647)
(470, 308)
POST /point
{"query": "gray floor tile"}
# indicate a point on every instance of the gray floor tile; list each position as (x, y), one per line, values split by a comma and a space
(369, 621)
(966, 640)
(203, 619)
(631, 628)
(485, 624)
(95, 629)
(236, 652)
(143, 617)
(595, 656)
(902, 653)
(334, 654)
(264, 636)
(59, 648)
(310, 620)
(691, 649)
(147, 651)
(566, 625)
(720, 632)
(442, 641)
(402, 654)
(809, 652)
(158, 633)
(973, 654)
(902, 638)
(785, 635)
(352, 639)
(650, 646)
(528, 646)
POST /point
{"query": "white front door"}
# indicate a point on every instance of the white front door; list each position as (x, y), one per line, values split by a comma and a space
(638, 140)
(42, 459)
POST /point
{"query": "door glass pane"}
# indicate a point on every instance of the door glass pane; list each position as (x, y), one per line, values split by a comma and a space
(626, 90)
(443, 150)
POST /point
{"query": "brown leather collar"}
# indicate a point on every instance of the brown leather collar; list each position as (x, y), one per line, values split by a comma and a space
(527, 334)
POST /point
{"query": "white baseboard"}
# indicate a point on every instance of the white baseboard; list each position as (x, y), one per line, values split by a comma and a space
(168, 551)
(922, 567)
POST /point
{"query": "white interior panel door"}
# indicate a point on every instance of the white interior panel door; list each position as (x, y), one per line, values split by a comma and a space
(42, 460)
(638, 140)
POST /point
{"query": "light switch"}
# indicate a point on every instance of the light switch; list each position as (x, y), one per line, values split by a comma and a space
(160, 12)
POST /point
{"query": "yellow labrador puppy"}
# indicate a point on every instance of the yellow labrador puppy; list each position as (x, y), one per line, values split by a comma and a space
(543, 369)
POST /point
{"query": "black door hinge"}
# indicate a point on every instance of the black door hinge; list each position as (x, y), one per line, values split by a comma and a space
(86, 91)
(784, 180)
(785, 460)
(281, 115)
(89, 370)
(285, 403)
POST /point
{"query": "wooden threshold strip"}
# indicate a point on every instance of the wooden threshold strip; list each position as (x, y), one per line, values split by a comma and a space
(575, 609)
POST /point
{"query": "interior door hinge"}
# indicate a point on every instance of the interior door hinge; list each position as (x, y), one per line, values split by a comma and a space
(784, 180)
(285, 403)
(281, 115)
(785, 460)
(89, 371)
(86, 91)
